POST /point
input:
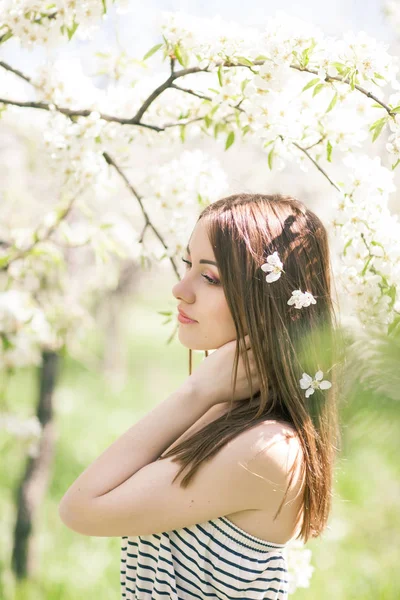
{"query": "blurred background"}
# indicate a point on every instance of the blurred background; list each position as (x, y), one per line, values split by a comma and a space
(128, 358)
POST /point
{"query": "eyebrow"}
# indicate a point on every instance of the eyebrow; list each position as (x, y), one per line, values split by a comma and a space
(202, 261)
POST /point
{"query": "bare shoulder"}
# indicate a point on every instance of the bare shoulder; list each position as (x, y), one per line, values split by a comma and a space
(276, 441)
(270, 450)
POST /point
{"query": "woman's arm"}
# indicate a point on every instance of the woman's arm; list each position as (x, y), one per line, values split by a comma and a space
(211, 415)
(142, 444)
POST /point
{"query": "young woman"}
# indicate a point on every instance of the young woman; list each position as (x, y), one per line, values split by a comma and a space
(209, 487)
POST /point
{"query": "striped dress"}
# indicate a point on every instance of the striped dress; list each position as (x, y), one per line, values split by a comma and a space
(211, 560)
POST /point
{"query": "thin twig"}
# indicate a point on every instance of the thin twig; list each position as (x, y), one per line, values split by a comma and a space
(37, 240)
(187, 91)
(357, 87)
(316, 143)
(317, 165)
(7, 67)
(112, 162)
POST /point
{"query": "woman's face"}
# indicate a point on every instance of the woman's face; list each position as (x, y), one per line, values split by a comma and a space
(201, 299)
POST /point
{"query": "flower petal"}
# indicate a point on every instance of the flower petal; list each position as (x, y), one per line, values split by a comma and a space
(305, 381)
(309, 392)
(319, 375)
(272, 277)
(325, 385)
(266, 267)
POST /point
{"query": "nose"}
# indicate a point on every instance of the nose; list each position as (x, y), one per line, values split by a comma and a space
(182, 291)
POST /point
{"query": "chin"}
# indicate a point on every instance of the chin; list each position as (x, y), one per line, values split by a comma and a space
(191, 344)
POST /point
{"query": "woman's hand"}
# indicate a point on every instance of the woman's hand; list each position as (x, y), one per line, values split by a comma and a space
(213, 379)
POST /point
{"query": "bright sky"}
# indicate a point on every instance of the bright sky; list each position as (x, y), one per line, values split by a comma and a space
(334, 17)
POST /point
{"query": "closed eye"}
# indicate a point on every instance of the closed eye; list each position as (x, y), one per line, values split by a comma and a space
(209, 279)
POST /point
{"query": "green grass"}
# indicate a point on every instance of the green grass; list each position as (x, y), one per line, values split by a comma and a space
(357, 557)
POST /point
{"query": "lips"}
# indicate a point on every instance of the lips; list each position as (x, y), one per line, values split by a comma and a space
(185, 315)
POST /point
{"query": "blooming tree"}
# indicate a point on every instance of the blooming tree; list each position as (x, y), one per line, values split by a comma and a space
(300, 97)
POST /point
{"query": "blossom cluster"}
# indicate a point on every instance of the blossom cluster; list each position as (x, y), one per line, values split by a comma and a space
(300, 569)
(49, 23)
(24, 328)
(27, 431)
(176, 191)
(369, 267)
(274, 102)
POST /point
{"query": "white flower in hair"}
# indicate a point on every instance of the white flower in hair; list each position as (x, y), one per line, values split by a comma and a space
(274, 266)
(300, 299)
(310, 385)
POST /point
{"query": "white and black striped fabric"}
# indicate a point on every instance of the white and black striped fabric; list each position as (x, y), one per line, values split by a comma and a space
(207, 561)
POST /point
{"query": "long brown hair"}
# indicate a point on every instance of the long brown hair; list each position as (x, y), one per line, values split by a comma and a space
(244, 229)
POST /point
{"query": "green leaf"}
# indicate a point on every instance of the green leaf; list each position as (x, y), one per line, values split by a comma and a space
(377, 123)
(378, 130)
(396, 109)
(7, 344)
(393, 325)
(366, 266)
(329, 151)
(269, 143)
(395, 164)
(181, 55)
(346, 246)
(270, 158)
(310, 83)
(353, 79)
(318, 88)
(213, 110)
(340, 67)
(104, 3)
(4, 260)
(245, 61)
(182, 133)
(72, 30)
(332, 102)
(6, 36)
(378, 76)
(152, 51)
(243, 84)
(229, 140)
(261, 57)
(305, 55)
(221, 83)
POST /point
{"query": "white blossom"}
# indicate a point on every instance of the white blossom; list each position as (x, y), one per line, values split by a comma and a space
(310, 385)
(301, 299)
(300, 569)
(273, 267)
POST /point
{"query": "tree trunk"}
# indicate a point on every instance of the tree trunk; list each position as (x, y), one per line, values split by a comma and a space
(34, 483)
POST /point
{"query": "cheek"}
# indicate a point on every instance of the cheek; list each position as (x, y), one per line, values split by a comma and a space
(221, 313)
